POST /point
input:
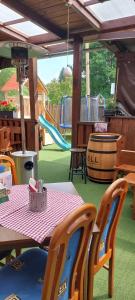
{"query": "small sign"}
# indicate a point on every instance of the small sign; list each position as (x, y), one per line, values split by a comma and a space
(12, 297)
(17, 264)
(62, 288)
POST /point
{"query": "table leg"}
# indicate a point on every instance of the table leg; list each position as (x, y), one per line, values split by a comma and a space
(133, 203)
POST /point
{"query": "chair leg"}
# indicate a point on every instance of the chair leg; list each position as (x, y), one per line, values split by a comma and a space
(111, 276)
(115, 175)
(18, 252)
(90, 288)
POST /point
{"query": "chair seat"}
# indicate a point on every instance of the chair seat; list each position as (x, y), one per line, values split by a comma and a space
(125, 167)
(24, 276)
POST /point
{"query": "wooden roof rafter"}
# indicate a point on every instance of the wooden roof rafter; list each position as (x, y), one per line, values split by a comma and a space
(16, 21)
(13, 33)
(80, 8)
(91, 2)
(34, 17)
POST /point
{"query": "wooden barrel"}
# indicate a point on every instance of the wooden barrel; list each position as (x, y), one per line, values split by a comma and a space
(101, 156)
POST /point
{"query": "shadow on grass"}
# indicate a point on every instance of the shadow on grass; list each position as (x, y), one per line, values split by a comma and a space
(126, 245)
(56, 171)
(101, 297)
(52, 150)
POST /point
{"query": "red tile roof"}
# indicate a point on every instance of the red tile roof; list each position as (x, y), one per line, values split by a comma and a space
(10, 85)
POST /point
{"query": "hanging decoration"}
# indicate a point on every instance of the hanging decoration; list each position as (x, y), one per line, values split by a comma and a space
(67, 72)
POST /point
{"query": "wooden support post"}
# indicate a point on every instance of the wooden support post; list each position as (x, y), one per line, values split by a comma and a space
(33, 102)
(33, 88)
(76, 98)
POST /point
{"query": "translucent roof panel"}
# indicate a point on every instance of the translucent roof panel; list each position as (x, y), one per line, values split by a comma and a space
(7, 14)
(28, 28)
(113, 9)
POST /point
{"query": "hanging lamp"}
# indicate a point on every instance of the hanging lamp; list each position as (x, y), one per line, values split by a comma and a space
(67, 72)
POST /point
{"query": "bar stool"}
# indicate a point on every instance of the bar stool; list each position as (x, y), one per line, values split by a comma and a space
(77, 163)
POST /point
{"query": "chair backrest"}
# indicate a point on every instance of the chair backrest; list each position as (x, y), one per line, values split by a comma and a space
(10, 162)
(125, 157)
(5, 141)
(67, 255)
(108, 216)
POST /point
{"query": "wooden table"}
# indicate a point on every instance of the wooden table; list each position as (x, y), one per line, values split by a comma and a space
(12, 239)
(130, 178)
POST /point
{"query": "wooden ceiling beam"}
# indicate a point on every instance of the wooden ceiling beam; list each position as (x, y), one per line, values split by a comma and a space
(34, 17)
(13, 34)
(119, 35)
(79, 7)
(119, 24)
(15, 21)
(43, 38)
(91, 2)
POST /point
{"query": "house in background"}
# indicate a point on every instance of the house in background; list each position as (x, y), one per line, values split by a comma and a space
(10, 91)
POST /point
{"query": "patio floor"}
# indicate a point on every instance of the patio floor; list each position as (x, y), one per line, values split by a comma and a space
(53, 167)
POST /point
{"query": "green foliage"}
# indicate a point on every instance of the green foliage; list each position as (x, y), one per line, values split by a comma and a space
(102, 71)
(57, 89)
(110, 103)
(5, 75)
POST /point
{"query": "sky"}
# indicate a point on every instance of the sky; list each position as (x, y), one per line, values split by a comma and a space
(49, 68)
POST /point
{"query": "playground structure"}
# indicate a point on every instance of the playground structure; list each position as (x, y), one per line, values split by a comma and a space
(58, 116)
(95, 113)
(42, 108)
(54, 133)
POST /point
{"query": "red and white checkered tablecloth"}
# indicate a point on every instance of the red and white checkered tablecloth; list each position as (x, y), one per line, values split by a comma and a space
(18, 198)
(34, 224)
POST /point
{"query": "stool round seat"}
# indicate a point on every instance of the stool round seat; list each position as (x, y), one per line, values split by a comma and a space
(77, 163)
(78, 150)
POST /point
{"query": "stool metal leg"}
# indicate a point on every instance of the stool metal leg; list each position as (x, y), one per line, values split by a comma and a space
(70, 167)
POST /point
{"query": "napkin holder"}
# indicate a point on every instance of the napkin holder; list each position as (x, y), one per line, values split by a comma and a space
(38, 201)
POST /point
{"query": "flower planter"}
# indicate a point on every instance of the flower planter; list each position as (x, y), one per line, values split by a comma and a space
(6, 114)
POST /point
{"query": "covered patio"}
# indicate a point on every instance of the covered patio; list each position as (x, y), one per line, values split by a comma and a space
(111, 22)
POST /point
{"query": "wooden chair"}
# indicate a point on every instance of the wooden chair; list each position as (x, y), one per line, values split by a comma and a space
(125, 162)
(5, 140)
(58, 273)
(102, 248)
(10, 162)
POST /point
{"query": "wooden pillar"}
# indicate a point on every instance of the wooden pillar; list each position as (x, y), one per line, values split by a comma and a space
(76, 98)
(33, 92)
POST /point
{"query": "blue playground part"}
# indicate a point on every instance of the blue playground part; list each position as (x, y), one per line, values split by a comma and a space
(54, 133)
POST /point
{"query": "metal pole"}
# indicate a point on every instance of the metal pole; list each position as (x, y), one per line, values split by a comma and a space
(87, 59)
(22, 116)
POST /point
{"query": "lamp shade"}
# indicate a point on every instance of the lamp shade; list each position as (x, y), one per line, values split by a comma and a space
(33, 50)
(67, 72)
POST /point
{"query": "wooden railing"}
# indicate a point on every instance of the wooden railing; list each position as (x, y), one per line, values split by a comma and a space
(32, 142)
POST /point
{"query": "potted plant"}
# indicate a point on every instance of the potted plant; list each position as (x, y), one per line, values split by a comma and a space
(7, 109)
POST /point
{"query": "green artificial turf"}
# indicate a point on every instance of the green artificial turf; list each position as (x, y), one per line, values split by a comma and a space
(54, 167)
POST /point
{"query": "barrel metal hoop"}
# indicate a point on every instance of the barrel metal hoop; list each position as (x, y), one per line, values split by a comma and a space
(101, 170)
(104, 152)
(102, 137)
(100, 141)
(95, 179)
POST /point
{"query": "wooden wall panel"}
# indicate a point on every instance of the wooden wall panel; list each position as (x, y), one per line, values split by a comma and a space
(125, 126)
(121, 125)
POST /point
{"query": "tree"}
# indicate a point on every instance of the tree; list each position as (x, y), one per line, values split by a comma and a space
(102, 71)
(5, 75)
(57, 89)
